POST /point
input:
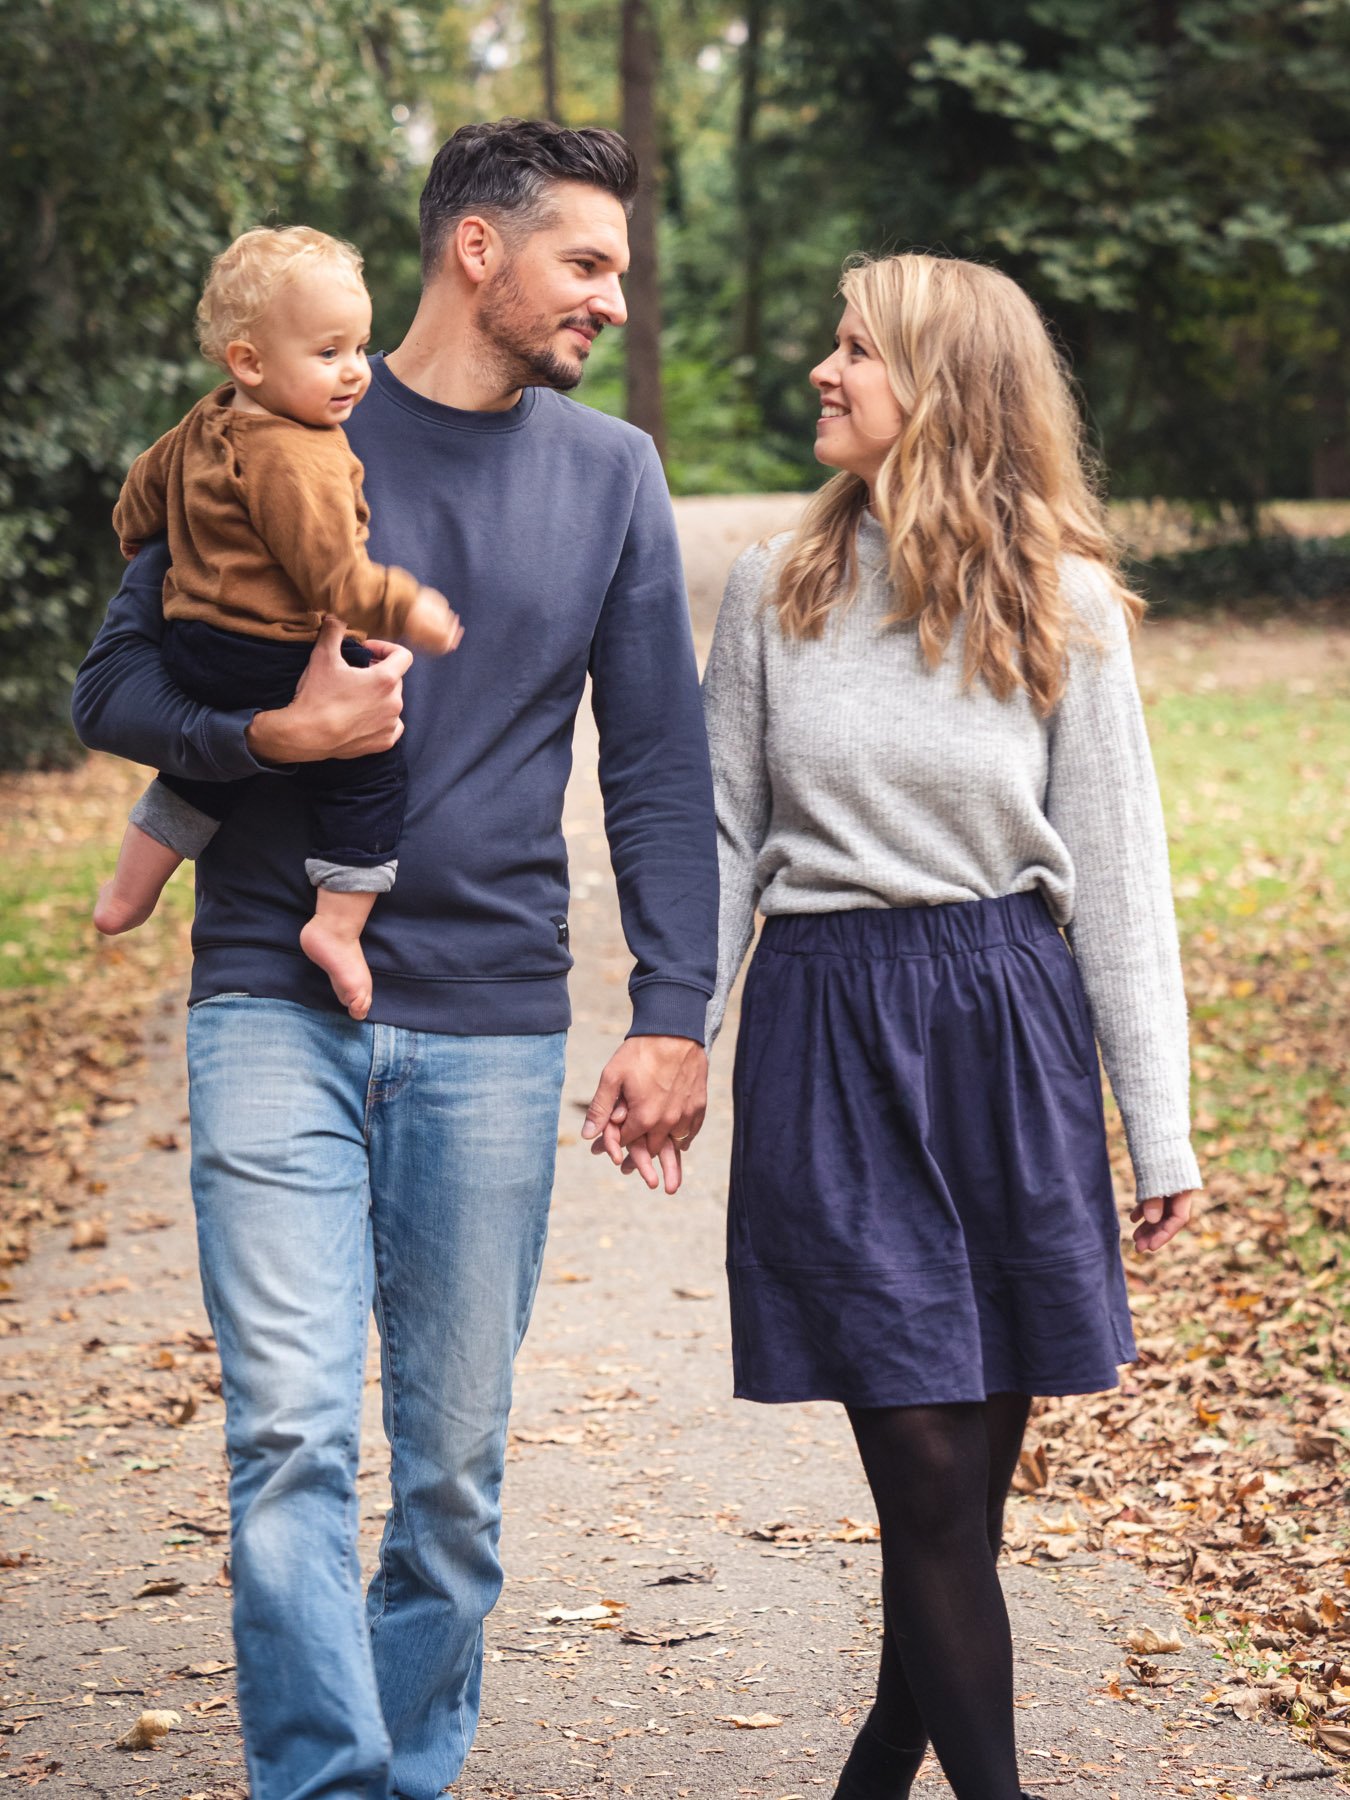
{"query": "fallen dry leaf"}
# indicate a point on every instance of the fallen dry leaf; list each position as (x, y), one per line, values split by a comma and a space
(760, 1721)
(1148, 1642)
(88, 1234)
(677, 1577)
(857, 1531)
(148, 1730)
(604, 1612)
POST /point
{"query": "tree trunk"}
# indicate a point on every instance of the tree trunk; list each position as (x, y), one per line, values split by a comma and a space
(638, 60)
(548, 60)
(751, 333)
(1331, 448)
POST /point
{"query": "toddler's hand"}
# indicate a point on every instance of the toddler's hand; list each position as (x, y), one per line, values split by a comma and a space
(431, 625)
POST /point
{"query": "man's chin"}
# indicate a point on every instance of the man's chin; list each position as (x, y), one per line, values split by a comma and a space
(558, 371)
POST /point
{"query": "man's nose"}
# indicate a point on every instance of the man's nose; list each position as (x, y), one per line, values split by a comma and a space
(608, 302)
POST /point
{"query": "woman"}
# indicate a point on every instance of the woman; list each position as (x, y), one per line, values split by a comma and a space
(929, 756)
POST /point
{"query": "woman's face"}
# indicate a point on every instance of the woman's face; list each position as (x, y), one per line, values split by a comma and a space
(859, 415)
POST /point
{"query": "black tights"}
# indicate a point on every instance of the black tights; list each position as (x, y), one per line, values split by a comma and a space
(940, 1477)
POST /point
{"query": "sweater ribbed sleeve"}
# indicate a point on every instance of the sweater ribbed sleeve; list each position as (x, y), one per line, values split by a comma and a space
(1102, 800)
(735, 713)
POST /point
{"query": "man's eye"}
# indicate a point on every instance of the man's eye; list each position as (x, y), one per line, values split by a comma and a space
(587, 268)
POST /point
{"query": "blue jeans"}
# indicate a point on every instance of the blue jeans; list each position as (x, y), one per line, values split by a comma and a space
(336, 1164)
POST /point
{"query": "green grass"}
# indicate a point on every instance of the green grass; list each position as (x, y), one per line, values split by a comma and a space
(1256, 789)
(58, 843)
(46, 933)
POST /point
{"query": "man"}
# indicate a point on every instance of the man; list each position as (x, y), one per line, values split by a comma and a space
(409, 1158)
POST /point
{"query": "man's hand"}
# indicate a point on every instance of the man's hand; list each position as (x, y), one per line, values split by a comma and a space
(1158, 1219)
(337, 710)
(649, 1106)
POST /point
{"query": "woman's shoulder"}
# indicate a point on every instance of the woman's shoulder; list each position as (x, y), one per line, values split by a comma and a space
(755, 563)
(748, 579)
(1094, 600)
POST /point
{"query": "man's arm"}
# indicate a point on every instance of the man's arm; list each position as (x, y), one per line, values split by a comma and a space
(126, 703)
(657, 787)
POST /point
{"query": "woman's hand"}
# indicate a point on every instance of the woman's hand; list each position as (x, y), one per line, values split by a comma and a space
(338, 710)
(1158, 1220)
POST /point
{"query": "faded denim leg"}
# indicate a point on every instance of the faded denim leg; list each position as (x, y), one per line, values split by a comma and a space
(463, 1135)
(279, 1177)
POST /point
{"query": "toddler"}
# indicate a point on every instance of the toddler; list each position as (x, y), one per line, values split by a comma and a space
(261, 499)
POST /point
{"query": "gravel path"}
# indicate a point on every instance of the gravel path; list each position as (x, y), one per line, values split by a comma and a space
(691, 1606)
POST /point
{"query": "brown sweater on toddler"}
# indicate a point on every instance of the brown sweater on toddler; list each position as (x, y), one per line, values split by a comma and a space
(267, 526)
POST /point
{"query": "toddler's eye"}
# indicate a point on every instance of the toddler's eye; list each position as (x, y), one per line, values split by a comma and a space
(328, 354)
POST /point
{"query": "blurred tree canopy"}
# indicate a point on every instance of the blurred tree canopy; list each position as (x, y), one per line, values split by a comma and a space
(138, 137)
(1170, 179)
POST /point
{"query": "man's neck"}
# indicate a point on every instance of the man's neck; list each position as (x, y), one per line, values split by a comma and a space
(442, 358)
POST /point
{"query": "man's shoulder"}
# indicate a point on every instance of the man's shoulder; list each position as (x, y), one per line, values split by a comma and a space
(594, 431)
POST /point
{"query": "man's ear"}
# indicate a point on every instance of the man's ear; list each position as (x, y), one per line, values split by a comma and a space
(244, 363)
(477, 247)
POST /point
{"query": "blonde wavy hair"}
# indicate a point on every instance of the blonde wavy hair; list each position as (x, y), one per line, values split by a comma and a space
(987, 485)
(245, 279)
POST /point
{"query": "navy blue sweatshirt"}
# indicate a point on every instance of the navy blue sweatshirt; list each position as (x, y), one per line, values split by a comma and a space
(550, 530)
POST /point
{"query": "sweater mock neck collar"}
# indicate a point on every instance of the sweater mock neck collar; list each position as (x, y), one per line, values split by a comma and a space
(872, 548)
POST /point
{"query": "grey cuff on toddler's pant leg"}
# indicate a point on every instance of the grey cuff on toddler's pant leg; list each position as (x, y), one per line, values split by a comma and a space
(172, 821)
(341, 878)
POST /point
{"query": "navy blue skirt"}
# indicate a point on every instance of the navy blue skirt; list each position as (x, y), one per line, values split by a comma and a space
(921, 1208)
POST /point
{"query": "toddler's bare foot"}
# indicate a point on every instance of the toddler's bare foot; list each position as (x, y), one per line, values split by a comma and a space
(339, 954)
(116, 912)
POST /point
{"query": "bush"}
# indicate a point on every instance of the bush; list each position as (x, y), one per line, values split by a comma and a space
(137, 138)
(1256, 571)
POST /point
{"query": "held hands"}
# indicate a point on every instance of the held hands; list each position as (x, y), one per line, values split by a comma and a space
(649, 1107)
(1158, 1219)
(431, 625)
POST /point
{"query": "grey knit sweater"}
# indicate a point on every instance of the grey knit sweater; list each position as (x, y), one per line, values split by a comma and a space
(849, 774)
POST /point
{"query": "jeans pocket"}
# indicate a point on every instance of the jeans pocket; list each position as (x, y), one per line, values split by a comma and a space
(217, 999)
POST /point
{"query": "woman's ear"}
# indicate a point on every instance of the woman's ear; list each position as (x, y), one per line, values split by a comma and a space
(244, 363)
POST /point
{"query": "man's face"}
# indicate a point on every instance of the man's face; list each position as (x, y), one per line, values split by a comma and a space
(558, 289)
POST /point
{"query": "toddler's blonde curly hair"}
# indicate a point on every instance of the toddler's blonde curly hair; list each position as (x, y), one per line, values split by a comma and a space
(246, 279)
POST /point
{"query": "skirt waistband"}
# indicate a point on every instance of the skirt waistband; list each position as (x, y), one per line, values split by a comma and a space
(884, 931)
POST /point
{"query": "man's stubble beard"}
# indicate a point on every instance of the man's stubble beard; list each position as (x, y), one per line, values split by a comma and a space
(519, 338)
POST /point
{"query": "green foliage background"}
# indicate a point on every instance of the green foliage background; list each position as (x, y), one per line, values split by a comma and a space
(1169, 178)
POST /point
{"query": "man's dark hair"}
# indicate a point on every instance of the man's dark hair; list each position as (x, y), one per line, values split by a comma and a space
(505, 170)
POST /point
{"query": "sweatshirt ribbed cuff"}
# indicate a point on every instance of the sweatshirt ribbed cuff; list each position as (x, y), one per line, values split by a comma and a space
(668, 1009)
(227, 747)
(1165, 1167)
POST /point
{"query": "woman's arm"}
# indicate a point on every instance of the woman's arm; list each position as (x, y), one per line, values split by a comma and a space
(735, 711)
(1102, 800)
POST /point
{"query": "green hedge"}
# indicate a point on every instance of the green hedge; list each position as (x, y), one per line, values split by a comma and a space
(1252, 574)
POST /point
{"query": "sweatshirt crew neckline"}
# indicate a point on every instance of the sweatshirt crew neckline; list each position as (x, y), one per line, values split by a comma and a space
(454, 418)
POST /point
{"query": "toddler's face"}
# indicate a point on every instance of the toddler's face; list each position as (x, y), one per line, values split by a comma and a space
(309, 360)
